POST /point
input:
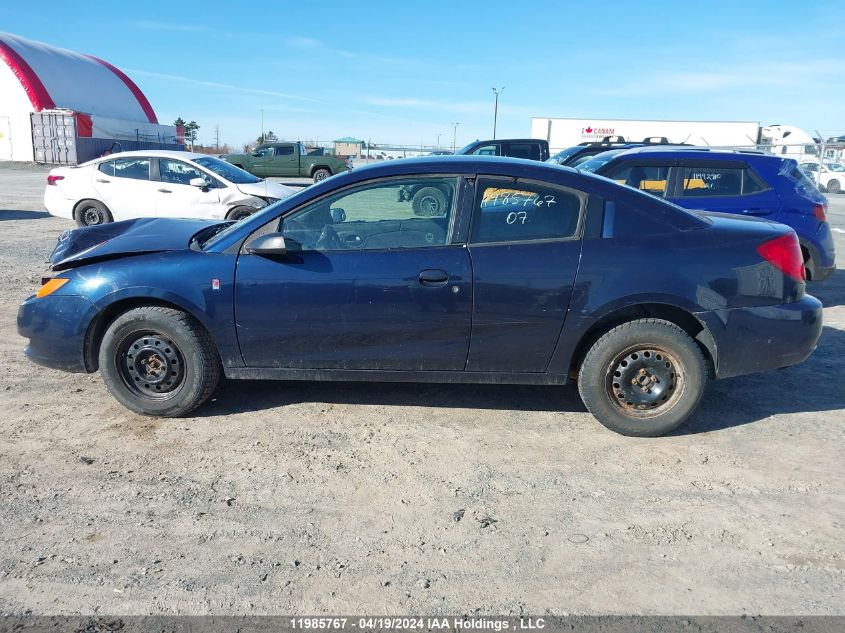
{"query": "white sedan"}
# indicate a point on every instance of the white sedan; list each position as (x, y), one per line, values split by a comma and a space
(830, 177)
(156, 183)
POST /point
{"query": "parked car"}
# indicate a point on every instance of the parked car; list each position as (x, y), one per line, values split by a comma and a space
(577, 154)
(529, 148)
(156, 183)
(743, 182)
(830, 177)
(288, 159)
(530, 274)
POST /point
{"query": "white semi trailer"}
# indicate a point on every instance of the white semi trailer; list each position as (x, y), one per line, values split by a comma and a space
(563, 133)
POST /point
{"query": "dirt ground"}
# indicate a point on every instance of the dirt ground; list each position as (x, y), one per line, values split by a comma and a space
(395, 498)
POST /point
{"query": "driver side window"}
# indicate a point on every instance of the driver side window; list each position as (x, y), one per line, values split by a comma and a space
(394, 214)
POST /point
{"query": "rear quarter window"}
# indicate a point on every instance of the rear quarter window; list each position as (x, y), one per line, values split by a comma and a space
(507, 211)
(707, 181)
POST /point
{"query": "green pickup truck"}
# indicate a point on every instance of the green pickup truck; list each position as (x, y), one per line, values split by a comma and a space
(288, 159)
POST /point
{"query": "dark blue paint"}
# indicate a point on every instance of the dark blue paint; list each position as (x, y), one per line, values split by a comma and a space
(507, 312)
(355, 310)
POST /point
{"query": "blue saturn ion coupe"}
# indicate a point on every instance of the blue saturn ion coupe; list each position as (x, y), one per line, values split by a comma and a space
(452, 270)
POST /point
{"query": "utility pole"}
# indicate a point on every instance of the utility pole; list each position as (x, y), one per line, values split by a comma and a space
(217, 136)
(454, 135)
(496, 109)
(262, 125)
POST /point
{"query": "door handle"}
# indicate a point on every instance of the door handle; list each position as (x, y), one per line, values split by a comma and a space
(103, 181)
(165, 191)
(433, 277)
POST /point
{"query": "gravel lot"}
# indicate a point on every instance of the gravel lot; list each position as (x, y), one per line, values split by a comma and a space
(361, 498)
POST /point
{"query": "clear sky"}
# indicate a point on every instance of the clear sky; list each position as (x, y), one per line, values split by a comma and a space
(404, 72)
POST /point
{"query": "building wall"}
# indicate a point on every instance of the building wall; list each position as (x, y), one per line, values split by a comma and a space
(347, 149)
(15, 105)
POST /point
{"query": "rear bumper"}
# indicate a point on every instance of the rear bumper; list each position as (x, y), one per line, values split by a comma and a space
(56, 203)
(750, 340)
(56, 328)
(822, 252)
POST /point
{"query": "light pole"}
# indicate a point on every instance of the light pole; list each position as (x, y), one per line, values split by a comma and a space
(262, 125)
(438, 140)
(496, 109)
(454, 135)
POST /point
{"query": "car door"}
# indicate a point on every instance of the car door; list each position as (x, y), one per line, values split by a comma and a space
(525, 244)
(654, 176)
(176, 197)
(284, 162)
(124, 185)
(724, 186)
(529, 151)
(365, 284)
(261, 159)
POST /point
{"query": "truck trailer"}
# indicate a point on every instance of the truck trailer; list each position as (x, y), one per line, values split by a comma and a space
(563, 133)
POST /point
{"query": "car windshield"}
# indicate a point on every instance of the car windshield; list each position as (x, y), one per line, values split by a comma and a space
(835, 166)
(597, 161)
(229, 172)
(560, 157)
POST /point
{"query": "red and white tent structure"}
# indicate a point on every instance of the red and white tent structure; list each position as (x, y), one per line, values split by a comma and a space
(37, 79)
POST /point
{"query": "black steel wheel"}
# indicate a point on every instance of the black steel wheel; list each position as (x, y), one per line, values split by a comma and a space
(92, 213)
(644, 381)
(159, 361)
(643, 378)
(150, 365)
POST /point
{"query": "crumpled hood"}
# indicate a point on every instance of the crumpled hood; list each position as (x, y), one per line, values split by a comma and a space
(265, 189)
(132, 237)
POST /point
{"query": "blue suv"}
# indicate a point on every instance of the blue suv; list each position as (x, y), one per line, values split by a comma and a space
(742, 182)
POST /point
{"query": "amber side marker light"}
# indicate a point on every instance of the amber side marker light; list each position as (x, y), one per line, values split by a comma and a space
(50, 286)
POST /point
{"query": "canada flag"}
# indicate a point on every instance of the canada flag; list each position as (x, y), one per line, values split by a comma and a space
(588, 130)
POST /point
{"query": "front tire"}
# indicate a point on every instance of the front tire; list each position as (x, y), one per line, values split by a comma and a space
(833, 186)
(643, 378)
(159, 361)
(92, 213)
(239, 213)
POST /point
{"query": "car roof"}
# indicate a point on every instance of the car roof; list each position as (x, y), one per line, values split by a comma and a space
(695, 152)
(509, 140)
(461, 164)
(157, 153)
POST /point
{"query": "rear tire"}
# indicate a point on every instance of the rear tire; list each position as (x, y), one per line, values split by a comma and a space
(833, 186)
(321, 174)
(429, 202)
(239, 213)
(643, 378)
(159, 361)
(92, 213)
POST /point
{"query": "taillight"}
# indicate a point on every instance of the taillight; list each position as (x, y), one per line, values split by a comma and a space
(784, 253)
(820, 211)
(52, 180)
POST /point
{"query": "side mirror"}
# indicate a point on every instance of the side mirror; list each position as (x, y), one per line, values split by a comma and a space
(202, 183)
(270, 244)
(338, 215)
